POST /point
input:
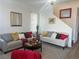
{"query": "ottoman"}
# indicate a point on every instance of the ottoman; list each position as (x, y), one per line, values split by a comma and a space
(25, 54)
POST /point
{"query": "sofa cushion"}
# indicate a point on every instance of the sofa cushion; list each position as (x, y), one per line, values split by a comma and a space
(15, 36)
(14, 44)
(45, 34)
(58, 36)
(28, 34)
(7, 37)
(50, 34)
(21, 36)
(54, 35)
(63, 36)
(34, 34)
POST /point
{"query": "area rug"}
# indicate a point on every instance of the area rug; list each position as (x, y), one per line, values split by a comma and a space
(53, 52)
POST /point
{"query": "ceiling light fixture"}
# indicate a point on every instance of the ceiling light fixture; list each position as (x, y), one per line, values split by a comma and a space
(51, 1)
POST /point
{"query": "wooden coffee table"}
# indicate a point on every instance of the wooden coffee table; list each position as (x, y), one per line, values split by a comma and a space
(27, 45)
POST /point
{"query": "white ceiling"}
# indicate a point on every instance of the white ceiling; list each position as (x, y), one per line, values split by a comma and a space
(36, 4)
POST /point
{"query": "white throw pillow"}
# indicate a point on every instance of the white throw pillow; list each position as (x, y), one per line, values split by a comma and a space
(53, 36)
(21, 36)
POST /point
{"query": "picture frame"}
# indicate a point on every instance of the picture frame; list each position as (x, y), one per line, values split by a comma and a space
(65, 13)
(15, 19)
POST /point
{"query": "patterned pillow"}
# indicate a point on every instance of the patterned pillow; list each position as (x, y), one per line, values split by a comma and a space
(28, 34)
(15, 36)
(21, 36)
(63, 36)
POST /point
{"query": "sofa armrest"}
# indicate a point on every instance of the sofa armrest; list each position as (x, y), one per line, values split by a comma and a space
(3, 44)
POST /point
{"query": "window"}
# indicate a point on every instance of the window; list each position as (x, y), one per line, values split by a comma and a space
(15, 19)
(34, 18)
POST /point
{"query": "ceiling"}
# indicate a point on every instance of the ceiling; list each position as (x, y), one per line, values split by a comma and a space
(38, 4)
(35, 4)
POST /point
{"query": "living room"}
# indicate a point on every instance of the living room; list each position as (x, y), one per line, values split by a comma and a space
(37, 12)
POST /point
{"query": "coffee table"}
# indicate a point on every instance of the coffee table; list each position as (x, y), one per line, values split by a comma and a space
(36, 45)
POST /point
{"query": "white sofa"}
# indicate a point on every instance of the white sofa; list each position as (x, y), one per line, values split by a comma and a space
(53, 40)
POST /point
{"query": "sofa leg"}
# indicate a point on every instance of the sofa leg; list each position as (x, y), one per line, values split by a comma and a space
(5, 52)
(2, 51)
(63, 48)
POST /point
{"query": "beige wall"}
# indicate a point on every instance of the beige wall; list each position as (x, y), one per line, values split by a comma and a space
(72, 5)
(70, 21)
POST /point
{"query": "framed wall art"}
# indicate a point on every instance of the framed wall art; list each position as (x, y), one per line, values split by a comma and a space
(65, 13)
(15, 19)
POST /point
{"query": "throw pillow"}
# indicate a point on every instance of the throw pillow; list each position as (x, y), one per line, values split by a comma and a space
(63, 36)
(15, 36)
(21, 32)
(21, 36)
(53, 36)
(28, 34)
(45, 34)
(50, 34)
(34, 34)
(58, 36)
(7, 37)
